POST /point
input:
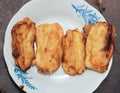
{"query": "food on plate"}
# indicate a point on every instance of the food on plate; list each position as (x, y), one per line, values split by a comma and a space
(49, 47)
(92, 48)
(99, 45)
(23, 36)
(73, 52)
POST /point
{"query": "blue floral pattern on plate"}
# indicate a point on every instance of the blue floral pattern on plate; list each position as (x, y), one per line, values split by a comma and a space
(87, 14)
(23, 77)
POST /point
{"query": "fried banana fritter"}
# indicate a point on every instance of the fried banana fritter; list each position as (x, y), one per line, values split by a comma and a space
(49, 47)
(99, 45)
(73, 52)
(23, 36)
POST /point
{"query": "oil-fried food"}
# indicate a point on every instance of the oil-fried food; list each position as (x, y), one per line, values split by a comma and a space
(23, 36)
(86, 29)
(74, 52)
(99, 45)
(49, 47)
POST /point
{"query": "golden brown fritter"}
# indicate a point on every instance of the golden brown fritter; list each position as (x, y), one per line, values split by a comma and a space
(99, 46)
(49, 47)
(73, 52)
(23, 36)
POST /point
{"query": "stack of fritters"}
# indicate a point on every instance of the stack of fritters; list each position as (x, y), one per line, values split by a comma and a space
(76, 50)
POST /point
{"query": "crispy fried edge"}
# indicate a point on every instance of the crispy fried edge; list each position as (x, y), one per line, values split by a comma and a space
(76, 30)
(26, 20)
(45, 71)
(111, 29)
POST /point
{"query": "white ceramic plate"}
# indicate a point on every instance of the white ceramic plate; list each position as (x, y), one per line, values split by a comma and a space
(70, 14)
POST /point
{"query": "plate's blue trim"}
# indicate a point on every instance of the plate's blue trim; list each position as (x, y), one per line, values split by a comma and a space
(23, 76)
(88, 15)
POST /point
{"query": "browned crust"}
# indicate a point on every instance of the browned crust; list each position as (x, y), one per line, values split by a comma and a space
(49, 47)
(73, 52)
(23, 36)
(99, 46)
(86, 30)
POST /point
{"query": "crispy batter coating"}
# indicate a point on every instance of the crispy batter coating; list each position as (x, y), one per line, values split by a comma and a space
(99, 45)
(73, 52)
(49, 47)
(23, 36)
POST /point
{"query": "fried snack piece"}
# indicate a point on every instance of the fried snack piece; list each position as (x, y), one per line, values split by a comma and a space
(49, 47)
(74, 52)
(23, 36)
(99, 45)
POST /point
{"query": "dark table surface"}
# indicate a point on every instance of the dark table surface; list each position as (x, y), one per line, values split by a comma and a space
(112, 14)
